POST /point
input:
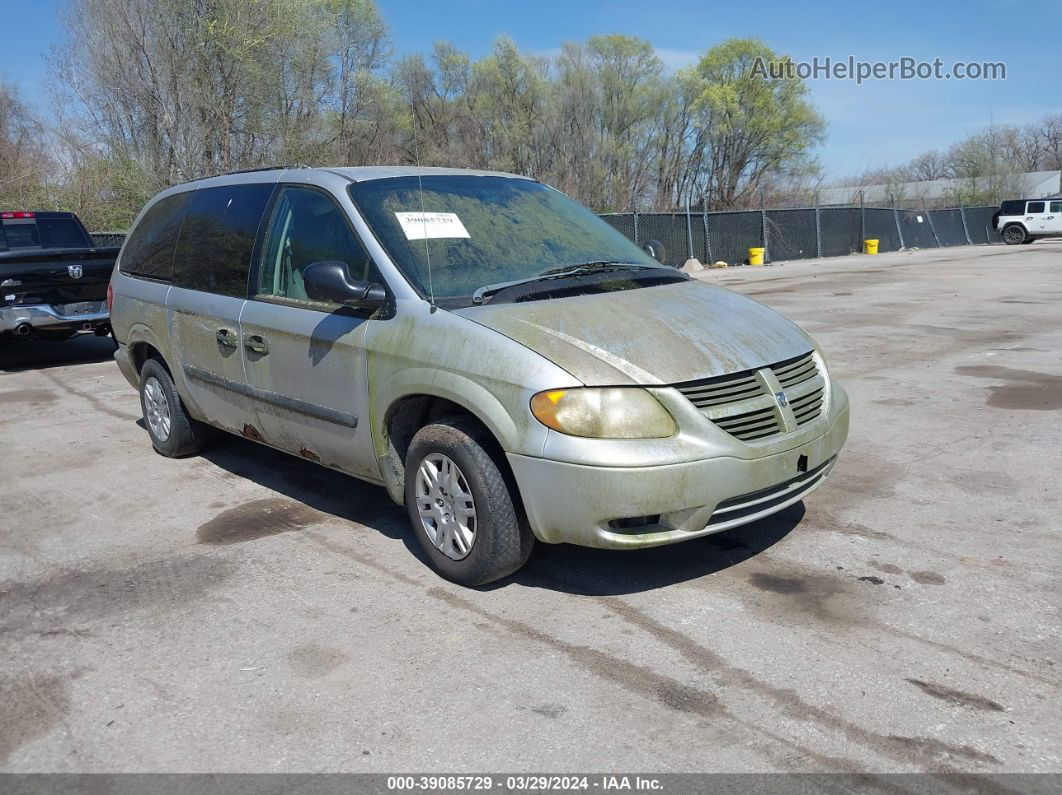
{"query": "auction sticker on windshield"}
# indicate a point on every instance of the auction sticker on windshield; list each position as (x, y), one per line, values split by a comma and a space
(421, 226)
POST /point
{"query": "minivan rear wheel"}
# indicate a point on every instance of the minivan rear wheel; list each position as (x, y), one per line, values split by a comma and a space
(173, 432)
(460, 506)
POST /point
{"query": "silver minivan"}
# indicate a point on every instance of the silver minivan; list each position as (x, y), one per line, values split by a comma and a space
(505, 363)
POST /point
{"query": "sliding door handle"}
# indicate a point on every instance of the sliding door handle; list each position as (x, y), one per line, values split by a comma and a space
(257, 344)
(227, 337)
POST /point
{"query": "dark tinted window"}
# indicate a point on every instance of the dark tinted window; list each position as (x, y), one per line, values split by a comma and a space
(1012, 208)
(1056, 207)
(149, 249)
(61, 233)
(21, 235)
(306, 227)
(217, 238)
(1035, 207)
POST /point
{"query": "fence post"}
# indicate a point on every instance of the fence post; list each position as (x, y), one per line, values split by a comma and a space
(932, 226)
(862, 221)
(818, 228)
(965, 228)
(763, 228)
(896, 219)
(689, 231)
(704, 220)
(637, 242)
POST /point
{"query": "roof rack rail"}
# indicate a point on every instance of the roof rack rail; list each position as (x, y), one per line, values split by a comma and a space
(241, 171)
(261, 168)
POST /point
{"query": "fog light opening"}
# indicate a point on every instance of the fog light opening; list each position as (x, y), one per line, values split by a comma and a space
(802, 464)
(634, 522)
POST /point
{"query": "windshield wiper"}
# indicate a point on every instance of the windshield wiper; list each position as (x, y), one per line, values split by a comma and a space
(557, 273)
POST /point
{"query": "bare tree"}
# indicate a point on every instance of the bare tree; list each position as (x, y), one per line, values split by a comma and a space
(24, 161)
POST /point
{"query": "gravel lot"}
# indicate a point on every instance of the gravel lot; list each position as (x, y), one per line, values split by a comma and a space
(248, 611)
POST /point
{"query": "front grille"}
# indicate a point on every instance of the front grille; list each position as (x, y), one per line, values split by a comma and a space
(752, 425)
(807, 407)
(795, 371)
(723, 390)
(746, 405)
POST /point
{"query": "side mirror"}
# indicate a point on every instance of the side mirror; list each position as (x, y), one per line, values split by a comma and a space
(655, 249)
(330, 281)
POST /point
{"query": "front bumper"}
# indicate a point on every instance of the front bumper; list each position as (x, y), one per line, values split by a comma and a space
(575, 503)
(90, 315)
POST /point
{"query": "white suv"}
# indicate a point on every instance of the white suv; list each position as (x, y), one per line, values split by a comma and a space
(1021, 221)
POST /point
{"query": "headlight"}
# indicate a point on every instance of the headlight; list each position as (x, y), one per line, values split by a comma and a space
(603, 413)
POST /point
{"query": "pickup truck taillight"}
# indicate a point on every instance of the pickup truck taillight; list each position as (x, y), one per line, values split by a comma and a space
(16, 215)
(110, 298)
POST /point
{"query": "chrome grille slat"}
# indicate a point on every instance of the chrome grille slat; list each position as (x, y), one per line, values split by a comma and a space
(793, 382)
(746, 419)
(785, 372)
(722, 391)
(806, 400)
(742, 405)
(753, 388)
(752, 427)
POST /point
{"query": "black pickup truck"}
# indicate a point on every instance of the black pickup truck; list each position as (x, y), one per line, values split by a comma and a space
(53, 280)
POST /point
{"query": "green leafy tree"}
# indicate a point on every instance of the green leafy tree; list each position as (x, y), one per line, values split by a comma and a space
(757, 126)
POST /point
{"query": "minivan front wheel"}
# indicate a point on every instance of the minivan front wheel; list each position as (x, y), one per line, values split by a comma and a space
(460, 505)
(173, 432)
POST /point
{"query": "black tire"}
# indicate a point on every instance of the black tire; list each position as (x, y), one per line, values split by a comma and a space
(1014, 234)
(1029, 240)
(502, 541)
(186, 436)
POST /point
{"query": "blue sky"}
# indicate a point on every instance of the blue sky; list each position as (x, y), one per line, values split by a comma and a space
(869, 125)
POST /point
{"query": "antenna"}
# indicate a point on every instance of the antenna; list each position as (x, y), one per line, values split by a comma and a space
(423, 217)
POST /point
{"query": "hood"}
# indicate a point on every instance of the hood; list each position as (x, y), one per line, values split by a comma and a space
(656, 335)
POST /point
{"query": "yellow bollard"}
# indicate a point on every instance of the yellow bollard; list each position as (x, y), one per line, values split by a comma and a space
(756, 256)
(870, 246)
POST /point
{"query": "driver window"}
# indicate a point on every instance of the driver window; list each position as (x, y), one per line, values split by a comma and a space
(306, 227)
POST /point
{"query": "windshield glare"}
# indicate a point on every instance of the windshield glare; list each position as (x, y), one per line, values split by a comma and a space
(479, 230)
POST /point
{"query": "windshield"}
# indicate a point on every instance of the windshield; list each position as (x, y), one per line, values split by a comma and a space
(477, 230)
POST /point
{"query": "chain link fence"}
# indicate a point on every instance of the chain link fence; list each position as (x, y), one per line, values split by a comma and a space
(804, 232)
(107, 239)
(786, 234)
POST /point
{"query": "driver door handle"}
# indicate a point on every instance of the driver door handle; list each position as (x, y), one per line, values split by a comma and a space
(257, 344)
(226, 337)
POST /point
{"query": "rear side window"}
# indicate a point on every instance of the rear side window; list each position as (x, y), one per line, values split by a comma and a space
(61, 233)
(149, 250)
(1012, 208)
(22, 235)
(1056, 207)
(217, 238)
(1035, 207)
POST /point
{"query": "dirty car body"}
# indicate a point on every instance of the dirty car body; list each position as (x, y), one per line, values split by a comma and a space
(622, 404)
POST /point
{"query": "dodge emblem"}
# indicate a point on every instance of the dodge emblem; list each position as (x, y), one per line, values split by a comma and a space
(75, 271)
(783, 401)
